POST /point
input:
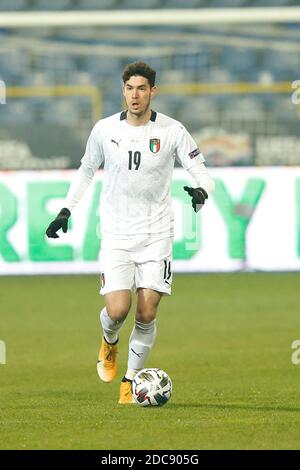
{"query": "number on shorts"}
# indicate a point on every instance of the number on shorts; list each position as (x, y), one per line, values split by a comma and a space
(167, 270)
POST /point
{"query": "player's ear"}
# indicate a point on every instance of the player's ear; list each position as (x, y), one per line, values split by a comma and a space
(153, 91)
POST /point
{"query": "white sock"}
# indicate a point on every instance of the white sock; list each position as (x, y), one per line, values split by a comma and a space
(140, 344)
(110, 327)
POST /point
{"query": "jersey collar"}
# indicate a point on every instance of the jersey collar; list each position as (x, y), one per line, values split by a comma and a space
(152, 117)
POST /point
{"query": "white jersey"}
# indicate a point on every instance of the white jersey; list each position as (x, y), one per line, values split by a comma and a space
(138, 166)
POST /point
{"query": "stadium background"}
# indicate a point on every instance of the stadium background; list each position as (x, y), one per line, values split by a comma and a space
(230, 84)
(233, 86)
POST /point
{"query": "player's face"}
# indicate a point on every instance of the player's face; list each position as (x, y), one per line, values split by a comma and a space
(138, 93)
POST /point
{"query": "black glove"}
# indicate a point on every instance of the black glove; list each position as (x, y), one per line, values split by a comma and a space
(198, 196)
(61, 221)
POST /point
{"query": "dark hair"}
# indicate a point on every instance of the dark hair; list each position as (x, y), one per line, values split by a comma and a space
(139, 68)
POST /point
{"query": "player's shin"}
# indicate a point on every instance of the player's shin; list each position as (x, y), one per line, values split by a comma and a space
(107, 358)
(110, 327)
(140, 344)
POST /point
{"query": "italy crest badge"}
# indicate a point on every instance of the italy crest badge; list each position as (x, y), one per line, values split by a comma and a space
(154, 145)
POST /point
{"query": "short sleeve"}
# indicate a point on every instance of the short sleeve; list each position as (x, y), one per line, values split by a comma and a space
(93, 156)
(187, 153)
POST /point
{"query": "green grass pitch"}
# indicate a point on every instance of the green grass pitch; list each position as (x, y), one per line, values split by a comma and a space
(225, 340)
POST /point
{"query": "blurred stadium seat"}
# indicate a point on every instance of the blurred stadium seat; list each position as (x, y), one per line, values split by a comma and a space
(52, 5)
(283, 108)
(20, 112)
(283, 65)
(245, 108)
(136, 4)
(232, 4)
(238, 59)
(278, 3)
(95, 4)
(200, 112)
(11, 5)
(186, 4)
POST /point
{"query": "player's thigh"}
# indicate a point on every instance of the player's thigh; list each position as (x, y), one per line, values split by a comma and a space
(118, 303)
(147, 304)
(155, 275)
(117, 270)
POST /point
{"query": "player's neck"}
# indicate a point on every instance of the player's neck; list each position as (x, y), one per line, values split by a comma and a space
(135, 120)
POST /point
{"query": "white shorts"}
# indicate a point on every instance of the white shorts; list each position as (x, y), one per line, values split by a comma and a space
(130, 264)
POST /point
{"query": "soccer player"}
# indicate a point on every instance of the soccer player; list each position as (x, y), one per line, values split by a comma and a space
(138, 148)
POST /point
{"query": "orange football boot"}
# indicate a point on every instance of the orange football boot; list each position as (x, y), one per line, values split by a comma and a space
(107, 361)
(126, 397)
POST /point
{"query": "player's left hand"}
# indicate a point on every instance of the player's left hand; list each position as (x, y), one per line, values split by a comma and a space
(198, 195)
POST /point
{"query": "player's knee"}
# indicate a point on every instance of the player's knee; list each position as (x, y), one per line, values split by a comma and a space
(117, 313)
(118, 305)
(146, 315)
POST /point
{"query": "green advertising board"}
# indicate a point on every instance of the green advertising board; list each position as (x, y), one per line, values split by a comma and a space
(252, 221)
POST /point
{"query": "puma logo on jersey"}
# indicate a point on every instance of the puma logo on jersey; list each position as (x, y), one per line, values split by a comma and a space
(114, 142)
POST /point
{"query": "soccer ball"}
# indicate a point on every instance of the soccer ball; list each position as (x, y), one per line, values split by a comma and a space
(151, 387)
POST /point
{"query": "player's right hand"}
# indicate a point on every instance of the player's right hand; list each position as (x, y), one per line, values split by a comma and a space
(61, 221)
